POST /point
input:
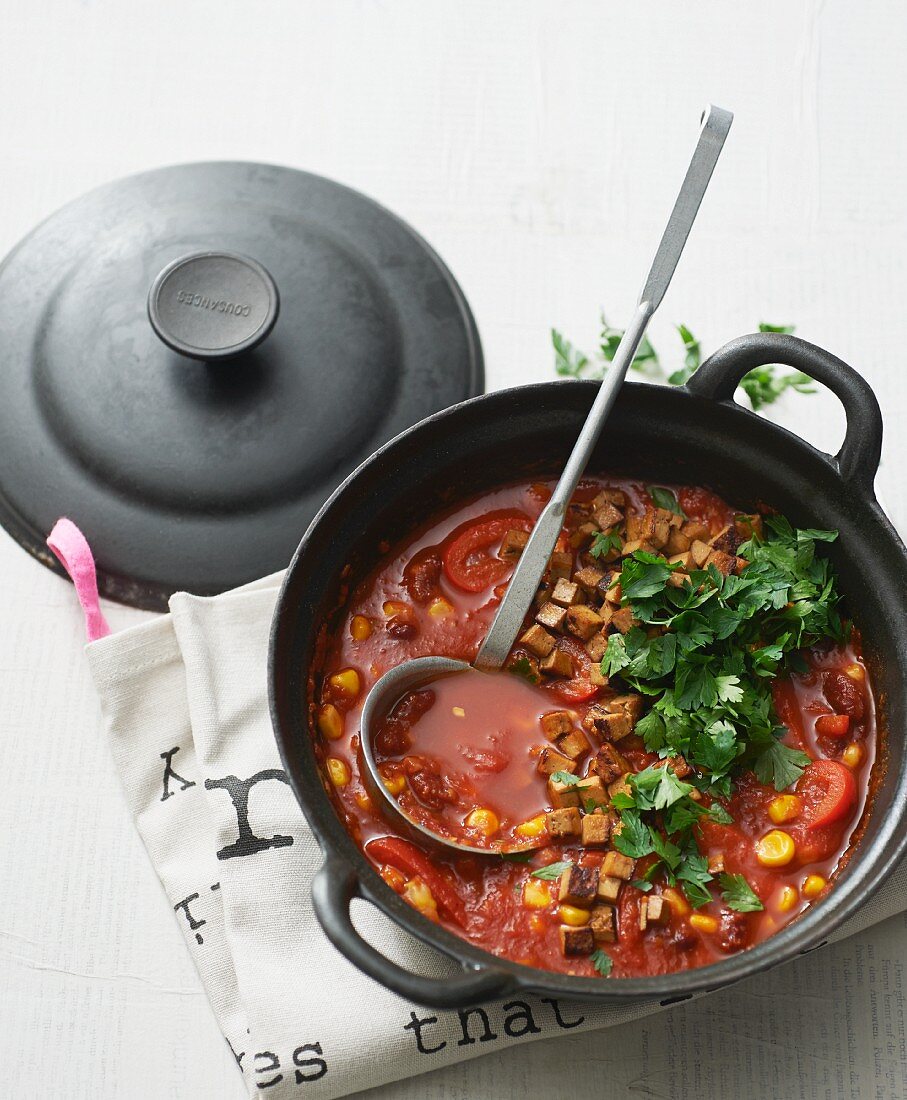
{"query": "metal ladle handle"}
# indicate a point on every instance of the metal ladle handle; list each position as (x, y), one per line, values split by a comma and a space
(527, 575)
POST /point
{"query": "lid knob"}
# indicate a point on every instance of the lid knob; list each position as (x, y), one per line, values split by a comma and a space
(213, 305)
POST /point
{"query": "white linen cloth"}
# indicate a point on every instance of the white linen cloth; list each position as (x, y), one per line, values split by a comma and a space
(184, 700)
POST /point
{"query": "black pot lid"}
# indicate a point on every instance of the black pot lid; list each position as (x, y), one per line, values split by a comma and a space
(193, 358)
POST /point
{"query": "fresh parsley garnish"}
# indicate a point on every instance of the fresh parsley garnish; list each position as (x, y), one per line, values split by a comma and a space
(665, 498)
(517, 857)
(566, 777)
(522, 667)
(738, 894)
(603, 544)
(705, 653)
(762, 385)
(602, 962)
(553, 870)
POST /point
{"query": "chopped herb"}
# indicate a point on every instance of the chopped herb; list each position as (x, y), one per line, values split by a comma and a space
(553, 870)
(762, 385)
(603, 544)
(738, 894)
(641, 884)
(517, 857)
(522, 667)
(665, 498)
(779, 765)
(602, 962)
(566, 777)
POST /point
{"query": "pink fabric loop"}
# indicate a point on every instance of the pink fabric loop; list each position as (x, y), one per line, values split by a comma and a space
(71, 547)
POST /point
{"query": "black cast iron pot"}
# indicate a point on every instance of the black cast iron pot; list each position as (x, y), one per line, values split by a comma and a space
(693, 435)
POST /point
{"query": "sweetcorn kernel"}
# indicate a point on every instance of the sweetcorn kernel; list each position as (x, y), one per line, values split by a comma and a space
(483, 820)
(852, 756)
(346, 682)
(360, 628)
(536, 894)
(396, 784)
(855, 672)
(813, 885)
(363, 801)
(395, 879)
(440, 607)
(573, 915)
(330, 722)
(676, 900)
(338, 771)
(534, 827)
(458, 712)
(775, 849)
(537, 924)
(394, 607)
(787, 899)
(421, 898)
(784, 808)
(702, 922)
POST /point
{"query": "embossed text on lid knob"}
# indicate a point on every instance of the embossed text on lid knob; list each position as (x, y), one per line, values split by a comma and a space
(213, 305)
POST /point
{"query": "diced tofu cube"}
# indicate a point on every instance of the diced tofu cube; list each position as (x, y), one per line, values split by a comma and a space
(551, 616)
(641, 525)
(643, 914)
(576, 941)
(566, 593)
(716, 863)
(620, 786)
(555, 723)
(563, 823)
(609, 888)
(588, 579)
(678, 579)
(551, 761)
(609, 763)
(724, 563)
(608, 517)
(557, 663)
(628, 704)
(578, 886)
(583, 621)
(684, 560)
(634, 546)
(560, 564)
(618, 865)
(597, 645)
(513, 545)
(596, 830)
(597, 677)
(606, 725)
(610, 496)
(662, 527)
(699, 552)
(592, 793)
(693, 529)
(583, 535)
(573, 744)
(727, 540)
(538, 640)
(678, 542)
(679, 766)
(748, 526)
(562, 795)
(657, 910)
(623, 620)
(603, 925)
(614, 594)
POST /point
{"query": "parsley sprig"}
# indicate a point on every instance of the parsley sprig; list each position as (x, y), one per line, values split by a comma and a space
(763, 385)
(706, 653)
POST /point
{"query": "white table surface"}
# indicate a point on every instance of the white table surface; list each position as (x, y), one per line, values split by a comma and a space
(538, 147)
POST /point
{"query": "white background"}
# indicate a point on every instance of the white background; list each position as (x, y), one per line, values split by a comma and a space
(538, 146)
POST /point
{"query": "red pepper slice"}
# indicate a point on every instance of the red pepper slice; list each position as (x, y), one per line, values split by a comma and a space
(406, 857)
(829, 789)
(466, 561)
(833, 725)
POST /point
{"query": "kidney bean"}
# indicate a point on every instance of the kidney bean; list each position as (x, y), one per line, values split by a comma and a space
(422, 575)
(843, 694)
(733, 930)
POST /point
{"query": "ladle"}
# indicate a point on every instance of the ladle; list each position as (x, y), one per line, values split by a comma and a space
(533, 561)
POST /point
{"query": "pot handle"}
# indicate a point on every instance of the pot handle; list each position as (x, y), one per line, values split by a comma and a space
(334, 887)
(859, 456)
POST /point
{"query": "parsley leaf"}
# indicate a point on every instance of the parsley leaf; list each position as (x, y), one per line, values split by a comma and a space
(553, 870)
(522, 667)
(566, 777)
(603, 544)
(602, 962)
(738, 894)
(779, 765)
(665, 498)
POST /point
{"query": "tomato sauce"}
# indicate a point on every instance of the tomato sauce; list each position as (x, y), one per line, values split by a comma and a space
(436, 593)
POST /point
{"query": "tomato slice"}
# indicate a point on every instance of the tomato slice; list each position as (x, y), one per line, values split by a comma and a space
(833, 725)
(580, 688)
(466, 561)
(406, 857)
(830, 791)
